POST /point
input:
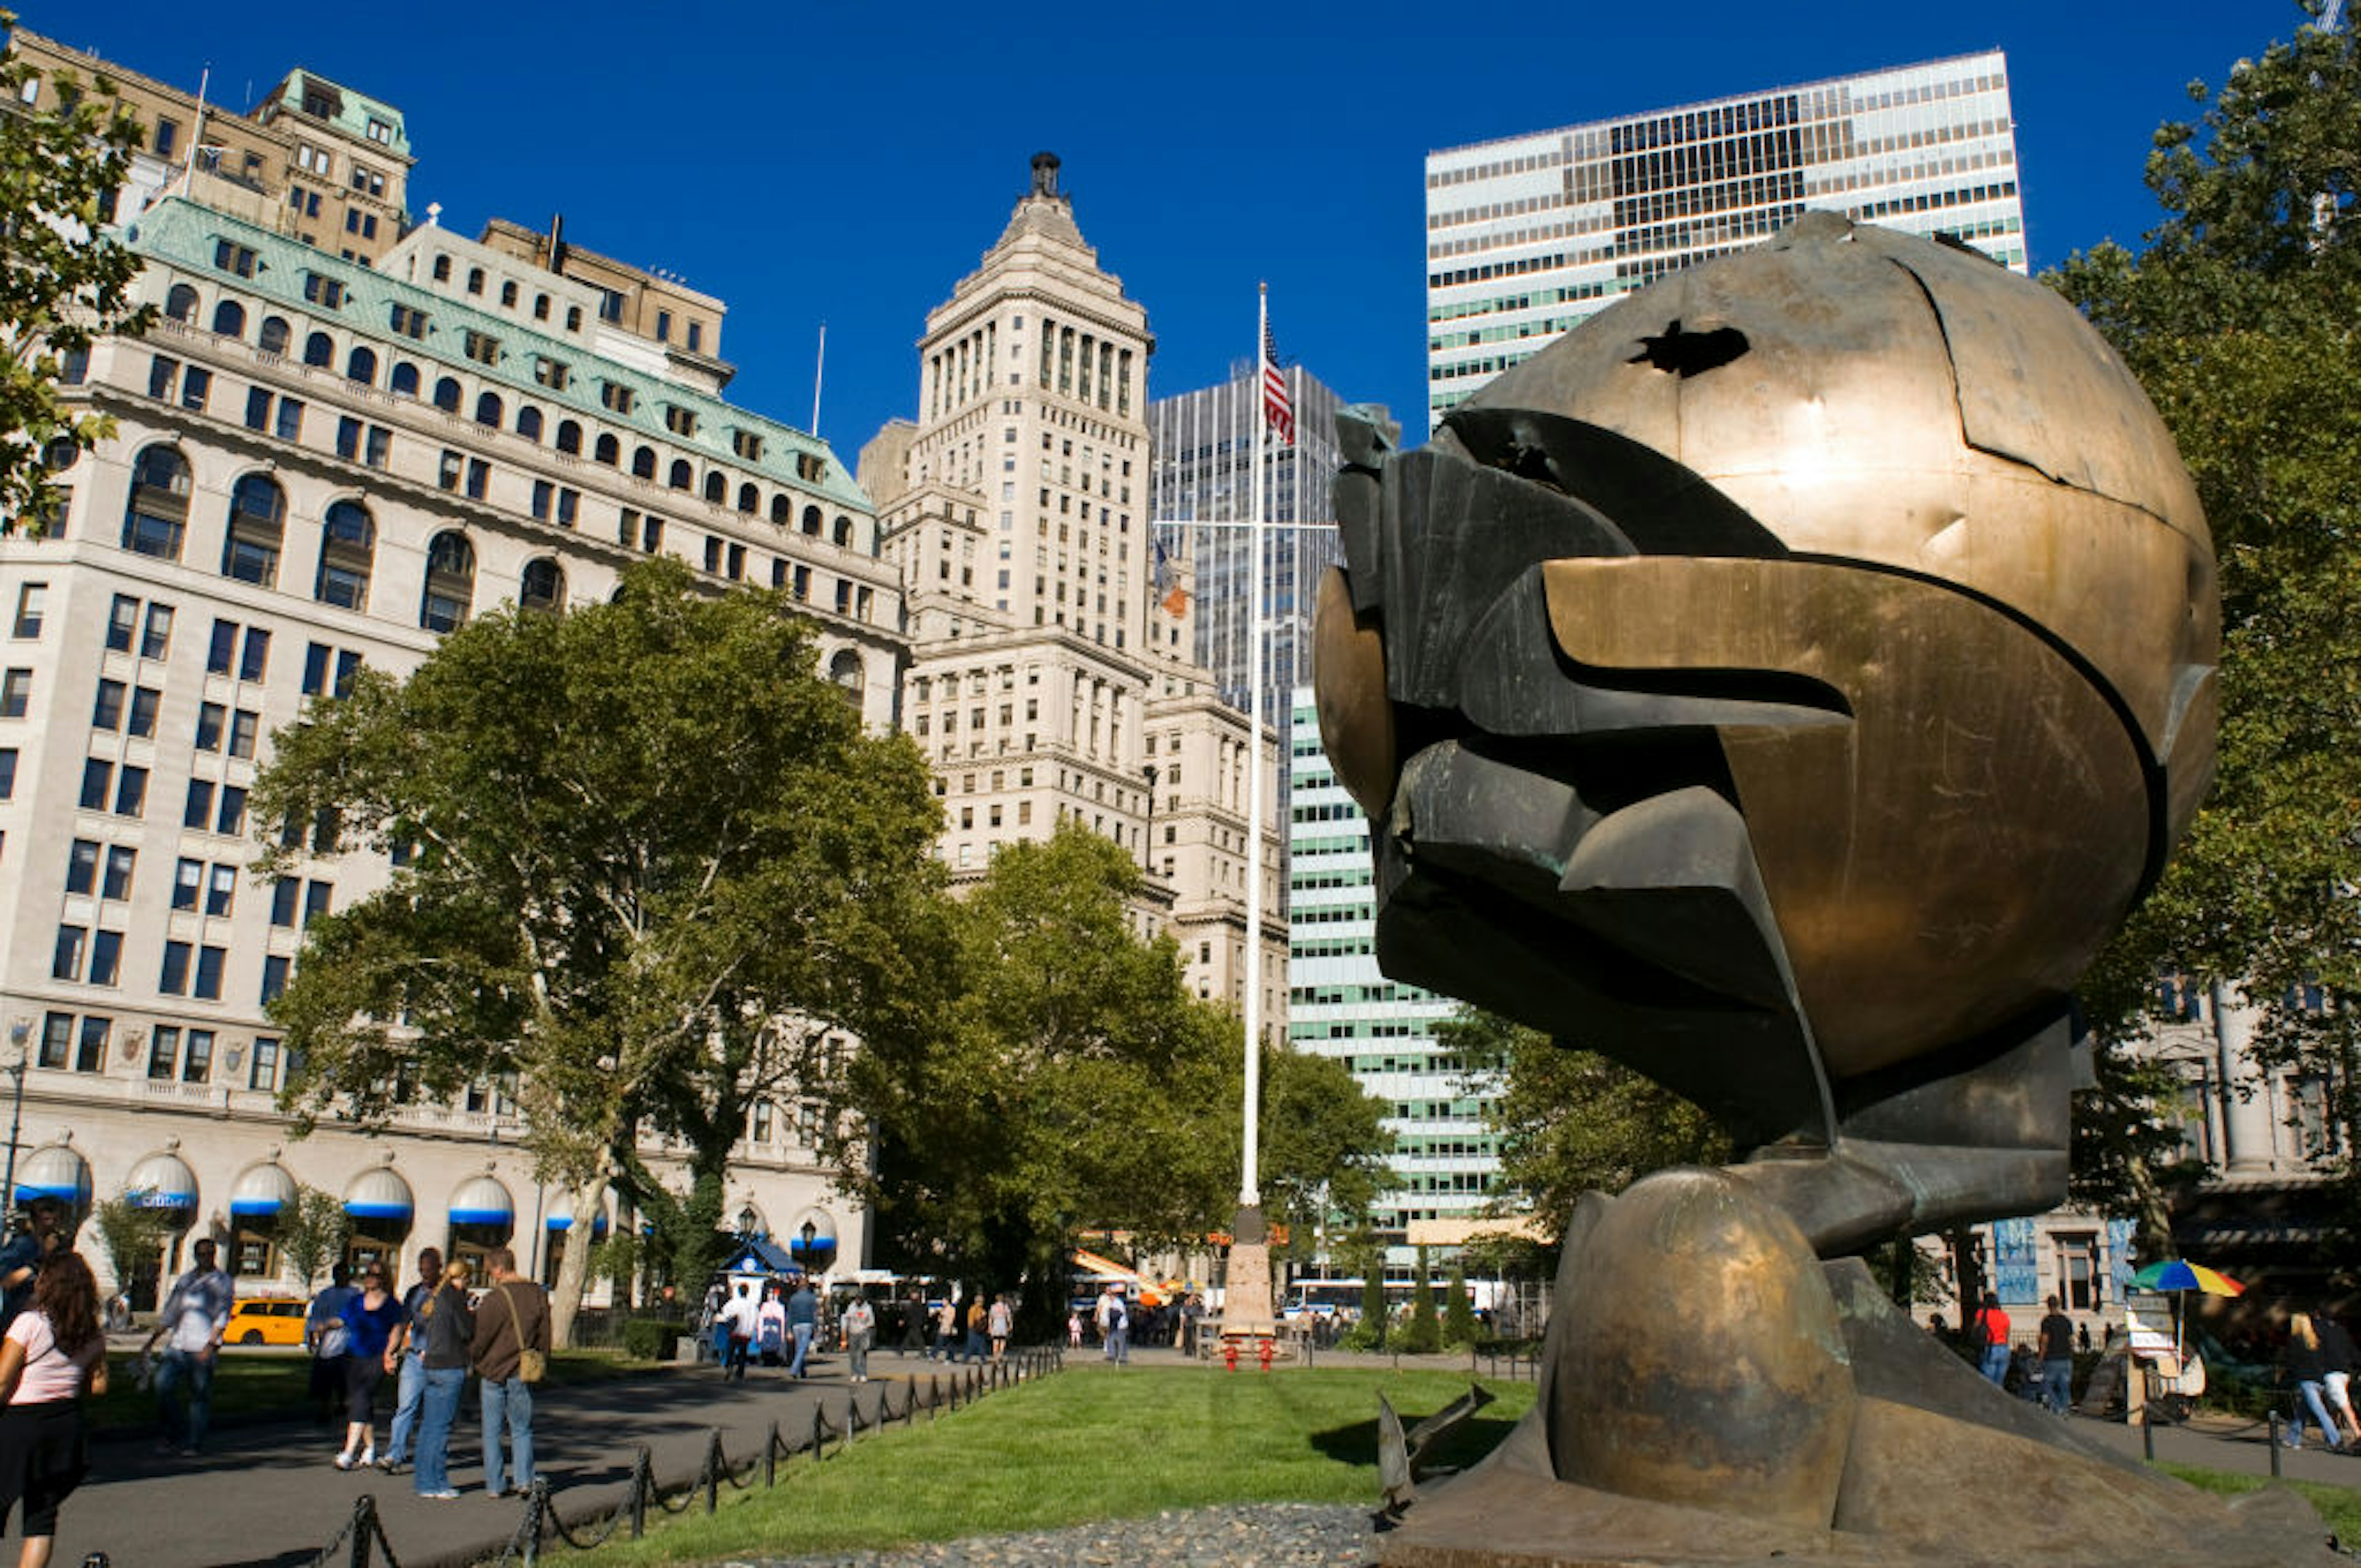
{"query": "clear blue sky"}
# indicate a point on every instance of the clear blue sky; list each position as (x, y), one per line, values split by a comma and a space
(849, 162)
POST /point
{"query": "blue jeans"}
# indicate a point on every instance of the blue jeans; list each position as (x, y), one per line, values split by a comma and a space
(435, 1411)
(2310, 1390)
(1995, 1364)
(408, 1391)
(509, 1403)
(803, 1348)
(185, 1419)
(856, 1351)
(2057, 1385)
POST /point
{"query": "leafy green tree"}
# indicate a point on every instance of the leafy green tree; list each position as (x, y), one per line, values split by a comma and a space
(649, 855)
(1458, 1312)
(2236, 316)
(131, 1234)
(1422, 1334)
(1324, 1146)
(1369, 1333)
(1061, 1079)
(1571, 1121)
(311, 1233)
(66, 282)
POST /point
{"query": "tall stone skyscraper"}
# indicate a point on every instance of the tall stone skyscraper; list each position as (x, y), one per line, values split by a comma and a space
(1051, 674)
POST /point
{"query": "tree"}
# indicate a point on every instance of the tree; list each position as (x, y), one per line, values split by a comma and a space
(62, 280)
(131, 1234)
(1324, 1146)
(2237, 318)
(648, 856)
(1422, 1334)
(1060, 1078)
(1571, 1121)
(312, 1233)
(1458, 1312)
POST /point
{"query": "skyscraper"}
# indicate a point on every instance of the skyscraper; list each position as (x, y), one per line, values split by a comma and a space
(1528, 235)
(1201, 497)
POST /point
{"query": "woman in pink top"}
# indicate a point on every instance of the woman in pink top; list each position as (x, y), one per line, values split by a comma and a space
(54, 1353)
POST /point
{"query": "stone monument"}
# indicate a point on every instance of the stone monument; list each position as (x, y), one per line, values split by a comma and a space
(1782, 684)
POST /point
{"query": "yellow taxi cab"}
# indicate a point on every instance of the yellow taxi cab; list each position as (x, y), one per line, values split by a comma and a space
(265, 1320)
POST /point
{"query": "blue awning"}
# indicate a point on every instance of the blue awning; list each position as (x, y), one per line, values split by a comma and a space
(56, 1172)
(162, 1181)
(379, 1193)
(560, 1216)
(262, 1192)
(483, 1201)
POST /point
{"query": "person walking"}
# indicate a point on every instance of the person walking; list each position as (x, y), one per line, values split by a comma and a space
(803, 1321)
(914, 1326)
(53, 1356)
(741, 1318)
(2057, 1359)
(977, 1317)
(771, 1328)
(2337, 1359)
(372, 1322)
(510, 1349)
(860, 1328)
(191, 1325)
(946, 1333)
(449, 1329)
(21, 1259)
(2308, 1370)
(998, 1323)
(410, 1386)
(325, 1338)
(1989, 1332)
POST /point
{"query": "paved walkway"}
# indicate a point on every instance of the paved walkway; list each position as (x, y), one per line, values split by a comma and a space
(267, 1494)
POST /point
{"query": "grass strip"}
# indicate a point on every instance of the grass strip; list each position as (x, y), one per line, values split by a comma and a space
(2339, 1507)
(1090, 1443)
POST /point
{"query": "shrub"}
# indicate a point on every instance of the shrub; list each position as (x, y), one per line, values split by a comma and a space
(651, 1339)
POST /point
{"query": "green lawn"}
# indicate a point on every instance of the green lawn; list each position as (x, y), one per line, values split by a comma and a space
(1090, 1443)
(2339, 1507)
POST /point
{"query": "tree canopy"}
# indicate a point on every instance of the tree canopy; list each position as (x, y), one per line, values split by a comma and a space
(647, 861)
(2237, 318)
(63, 281)
(1324, 1148)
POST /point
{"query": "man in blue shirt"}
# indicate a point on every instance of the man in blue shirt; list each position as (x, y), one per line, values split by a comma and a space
(803, 1321)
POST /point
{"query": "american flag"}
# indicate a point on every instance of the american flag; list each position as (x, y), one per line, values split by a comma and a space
(1278, 408)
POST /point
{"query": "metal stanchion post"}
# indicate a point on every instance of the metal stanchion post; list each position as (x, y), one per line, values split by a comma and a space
(771, 1456)
(2275, 1445)
(643, 1477)
(2147, 1440)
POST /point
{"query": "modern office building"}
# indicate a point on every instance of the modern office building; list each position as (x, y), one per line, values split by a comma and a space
(1341, 1004)
(1051, 676)
(1528, 235)
(1201, 497)
(323, 462)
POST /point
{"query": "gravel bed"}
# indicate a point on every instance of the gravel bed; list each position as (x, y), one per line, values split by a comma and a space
(1270, 1535)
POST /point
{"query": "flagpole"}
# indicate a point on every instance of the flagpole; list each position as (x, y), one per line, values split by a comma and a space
(197, 138)
(1250, 1179)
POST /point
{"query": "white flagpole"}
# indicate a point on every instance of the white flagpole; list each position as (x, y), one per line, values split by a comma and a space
(197, 138)
(1250, 1179)
(820, 370)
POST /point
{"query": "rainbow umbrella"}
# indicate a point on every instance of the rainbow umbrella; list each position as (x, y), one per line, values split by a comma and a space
(2179, 1275)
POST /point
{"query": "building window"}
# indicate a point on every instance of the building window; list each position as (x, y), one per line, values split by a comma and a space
(156, 518)
(30, 599)
(325, 293)
(542, 586)
(210, 960)
(258, 512)
(229, 319)
(66, 958)
(360, 366)
(450, 582)
(409, 321)
(262, 1071)
(274, 979)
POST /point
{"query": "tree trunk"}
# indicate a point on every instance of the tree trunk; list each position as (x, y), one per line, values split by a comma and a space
(573, 1268)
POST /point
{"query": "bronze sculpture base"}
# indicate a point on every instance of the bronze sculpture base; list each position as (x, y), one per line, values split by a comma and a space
(1712, 1394)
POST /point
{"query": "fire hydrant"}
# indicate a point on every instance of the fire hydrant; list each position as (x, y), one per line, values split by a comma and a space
(1263, 1355)
(1230, 1354)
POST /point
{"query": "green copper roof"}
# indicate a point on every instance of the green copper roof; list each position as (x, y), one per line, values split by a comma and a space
(184, 234)
(354, 112)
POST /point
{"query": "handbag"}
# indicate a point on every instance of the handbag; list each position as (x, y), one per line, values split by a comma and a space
(532, 1364)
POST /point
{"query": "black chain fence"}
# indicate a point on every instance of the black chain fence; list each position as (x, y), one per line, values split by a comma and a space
(363, 1543)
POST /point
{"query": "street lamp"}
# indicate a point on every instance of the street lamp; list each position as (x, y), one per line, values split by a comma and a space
(747, 1220)
(1148, 833)
(810, 1231)
(20, 1030)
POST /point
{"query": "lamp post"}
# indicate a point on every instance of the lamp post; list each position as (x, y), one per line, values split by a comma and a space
(810, 1231)
(20, 1030)
(1148, 833)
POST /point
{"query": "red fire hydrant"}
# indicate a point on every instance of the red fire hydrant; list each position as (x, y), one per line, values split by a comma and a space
(1230, 1354)
(1263, 1355)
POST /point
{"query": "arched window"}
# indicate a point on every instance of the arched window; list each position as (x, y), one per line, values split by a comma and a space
(528, 423)
(607, 450)
(574, 318)
(488, 411)
(258, 526)
(569, 437)
(181, 305)
(782, 509)
(680, 477)
(404, 382)
(644, 462)
(717, 488)
(811, 521)
(540, 307)
(508, 294)
(273, 336)
(320, 349)
(360, 365)
(750, 500)
(229, 319)
(447, 395)
(542, 587)
(845, 671)
(844, 531)
(442, 270)
(157, 518)
(475, 279)
(450, 582)
(347, 553)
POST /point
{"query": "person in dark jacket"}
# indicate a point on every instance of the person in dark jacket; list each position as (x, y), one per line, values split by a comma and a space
(2306, 1369)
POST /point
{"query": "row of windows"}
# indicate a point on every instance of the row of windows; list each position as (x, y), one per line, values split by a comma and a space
(79, 1042)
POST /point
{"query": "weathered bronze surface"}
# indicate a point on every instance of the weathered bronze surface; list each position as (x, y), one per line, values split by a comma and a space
(1783, 683)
